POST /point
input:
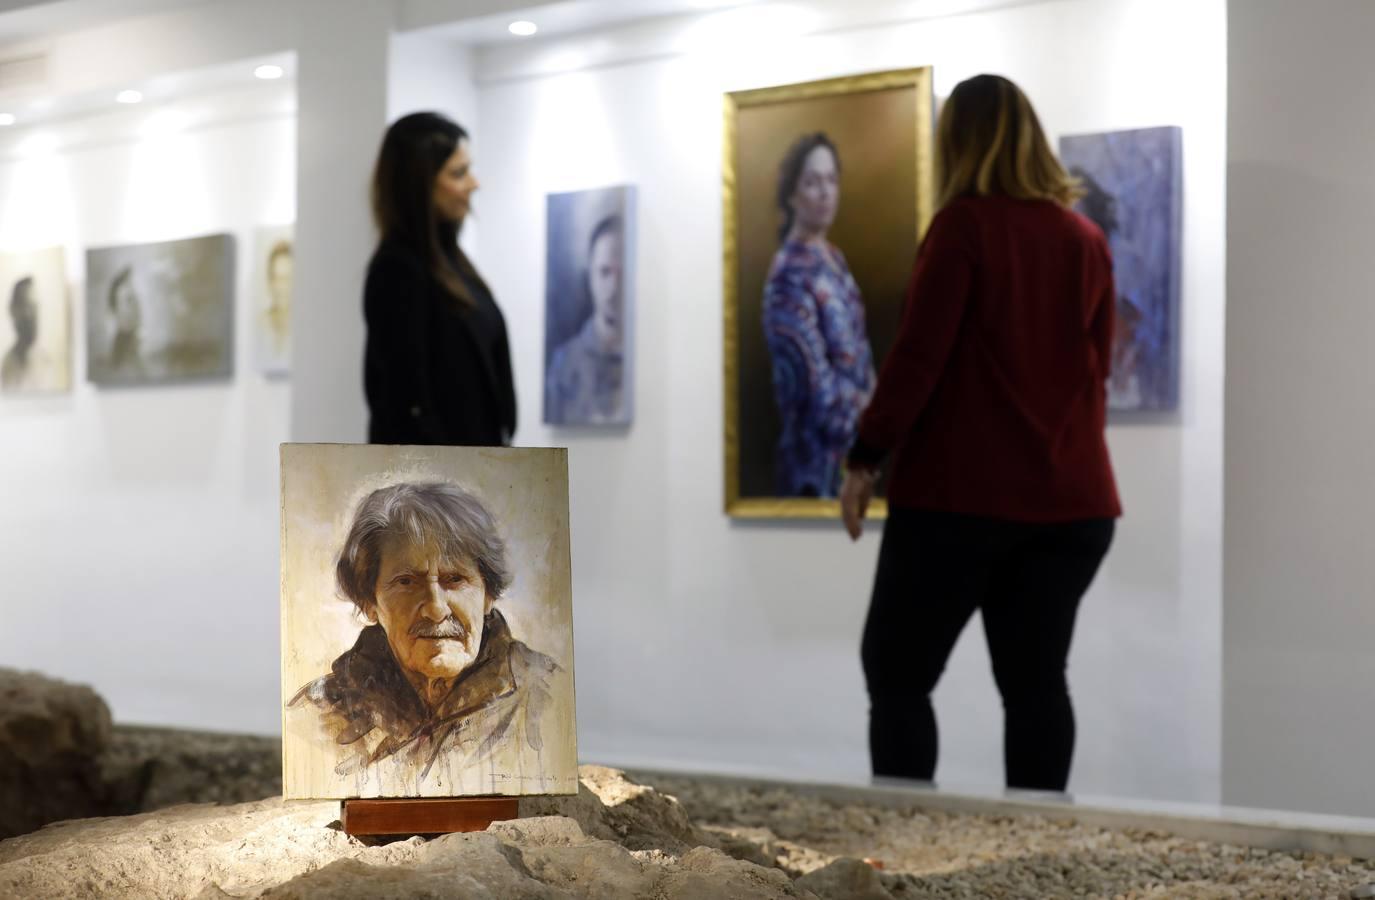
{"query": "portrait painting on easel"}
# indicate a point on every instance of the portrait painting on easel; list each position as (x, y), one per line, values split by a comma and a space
(427, 646)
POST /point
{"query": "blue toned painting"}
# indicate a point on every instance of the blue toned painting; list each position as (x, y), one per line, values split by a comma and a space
(1134, 193)
(589, 287)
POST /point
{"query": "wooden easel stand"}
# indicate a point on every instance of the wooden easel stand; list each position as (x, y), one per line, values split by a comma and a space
(429, 815)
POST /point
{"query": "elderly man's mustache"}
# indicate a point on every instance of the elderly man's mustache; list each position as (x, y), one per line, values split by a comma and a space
(449, 628)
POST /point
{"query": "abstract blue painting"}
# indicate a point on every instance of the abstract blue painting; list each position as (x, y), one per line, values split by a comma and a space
(1134, 188)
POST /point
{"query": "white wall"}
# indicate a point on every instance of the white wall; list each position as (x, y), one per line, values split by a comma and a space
(1299, 607)
(138, 529)
(715, 644)
(342, 84)
(428, 72)
(137, 526)
(702, 642)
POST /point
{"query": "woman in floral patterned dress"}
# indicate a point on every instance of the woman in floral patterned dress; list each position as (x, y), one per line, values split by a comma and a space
(823, 368)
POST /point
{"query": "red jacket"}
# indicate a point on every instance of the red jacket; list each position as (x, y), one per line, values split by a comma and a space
(993, 395)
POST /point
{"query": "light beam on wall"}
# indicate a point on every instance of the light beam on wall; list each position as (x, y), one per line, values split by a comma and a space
(39, 208)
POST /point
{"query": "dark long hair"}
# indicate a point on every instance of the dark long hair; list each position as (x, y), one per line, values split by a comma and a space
(790, 172)
(413, 153)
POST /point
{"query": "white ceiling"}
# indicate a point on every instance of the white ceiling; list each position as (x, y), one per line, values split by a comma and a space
(25, 20)
(471, 21)
(484, 22)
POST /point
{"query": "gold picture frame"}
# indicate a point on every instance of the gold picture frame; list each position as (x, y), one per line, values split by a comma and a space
(851, 104)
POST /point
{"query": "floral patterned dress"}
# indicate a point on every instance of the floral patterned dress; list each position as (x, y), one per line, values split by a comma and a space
(823, 367)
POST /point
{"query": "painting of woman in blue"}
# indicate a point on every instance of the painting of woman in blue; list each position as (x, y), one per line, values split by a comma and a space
(823, 367)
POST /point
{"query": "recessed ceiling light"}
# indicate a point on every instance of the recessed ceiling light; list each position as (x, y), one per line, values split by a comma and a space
(128, 97)
(522, 28)
(269, 72)
(7, 118)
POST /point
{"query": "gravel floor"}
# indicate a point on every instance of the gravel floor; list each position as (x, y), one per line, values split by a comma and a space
(935, 854)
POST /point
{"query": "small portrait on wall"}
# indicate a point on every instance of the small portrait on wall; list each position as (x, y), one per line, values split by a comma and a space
(589, 294)
(427, 633)
(160, 312)
(273, 268)
(827, 189)
(35, 328)
(1133, 183)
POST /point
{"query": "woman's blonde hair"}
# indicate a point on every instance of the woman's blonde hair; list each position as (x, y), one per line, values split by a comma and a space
(989, 141)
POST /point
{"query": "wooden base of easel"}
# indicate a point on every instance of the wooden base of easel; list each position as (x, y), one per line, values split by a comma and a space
(428, 815)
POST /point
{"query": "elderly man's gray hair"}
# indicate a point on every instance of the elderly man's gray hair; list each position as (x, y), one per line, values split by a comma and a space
(420, 512)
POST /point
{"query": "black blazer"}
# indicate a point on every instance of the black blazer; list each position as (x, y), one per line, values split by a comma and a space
(434, 371)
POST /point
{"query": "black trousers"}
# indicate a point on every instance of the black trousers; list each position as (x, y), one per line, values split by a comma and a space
(934, 570)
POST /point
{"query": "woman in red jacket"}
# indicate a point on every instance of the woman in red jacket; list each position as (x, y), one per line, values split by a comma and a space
(992, 402)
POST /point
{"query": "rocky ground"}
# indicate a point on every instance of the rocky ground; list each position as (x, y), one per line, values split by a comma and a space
(925, 853)
(620, 837)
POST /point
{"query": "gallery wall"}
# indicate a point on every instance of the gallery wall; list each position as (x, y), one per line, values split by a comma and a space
(1300, 622)
(130, 516)
(141, 527)
(707, 643)
(168, 498)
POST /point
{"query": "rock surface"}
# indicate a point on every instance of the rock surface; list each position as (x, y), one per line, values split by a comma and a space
(621, 839)
(153, 768)
(680, 839)
(931, 854)
(52, 736)
(295, 850)
(61, 758)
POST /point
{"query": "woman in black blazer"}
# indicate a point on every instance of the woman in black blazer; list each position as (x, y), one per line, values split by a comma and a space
(437, 369)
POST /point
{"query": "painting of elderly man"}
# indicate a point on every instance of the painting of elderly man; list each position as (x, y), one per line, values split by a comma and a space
(449, 671)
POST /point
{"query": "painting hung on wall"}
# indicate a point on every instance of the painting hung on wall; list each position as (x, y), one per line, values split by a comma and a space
(1133, 183)
(827, 190)
(35, 331)
(589, 278)
(160, 312)
(427, 635)
(273, 265)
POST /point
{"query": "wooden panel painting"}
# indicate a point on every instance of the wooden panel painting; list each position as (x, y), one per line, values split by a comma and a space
(1134, 193)
(427, 638)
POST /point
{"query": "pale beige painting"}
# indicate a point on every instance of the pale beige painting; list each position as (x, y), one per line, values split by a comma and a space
(35, 339)
(273, 269)
(427, 626)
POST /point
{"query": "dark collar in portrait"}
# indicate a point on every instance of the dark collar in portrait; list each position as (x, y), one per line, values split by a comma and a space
(502, 694)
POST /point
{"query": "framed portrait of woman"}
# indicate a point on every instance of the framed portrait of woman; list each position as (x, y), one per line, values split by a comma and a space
(827, 189)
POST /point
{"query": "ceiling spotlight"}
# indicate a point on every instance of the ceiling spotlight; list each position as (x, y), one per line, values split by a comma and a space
(522, 28)
(269, 72)
(128, 97)
(7, 118)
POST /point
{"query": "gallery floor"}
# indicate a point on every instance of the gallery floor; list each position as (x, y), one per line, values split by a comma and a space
(624, 836)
